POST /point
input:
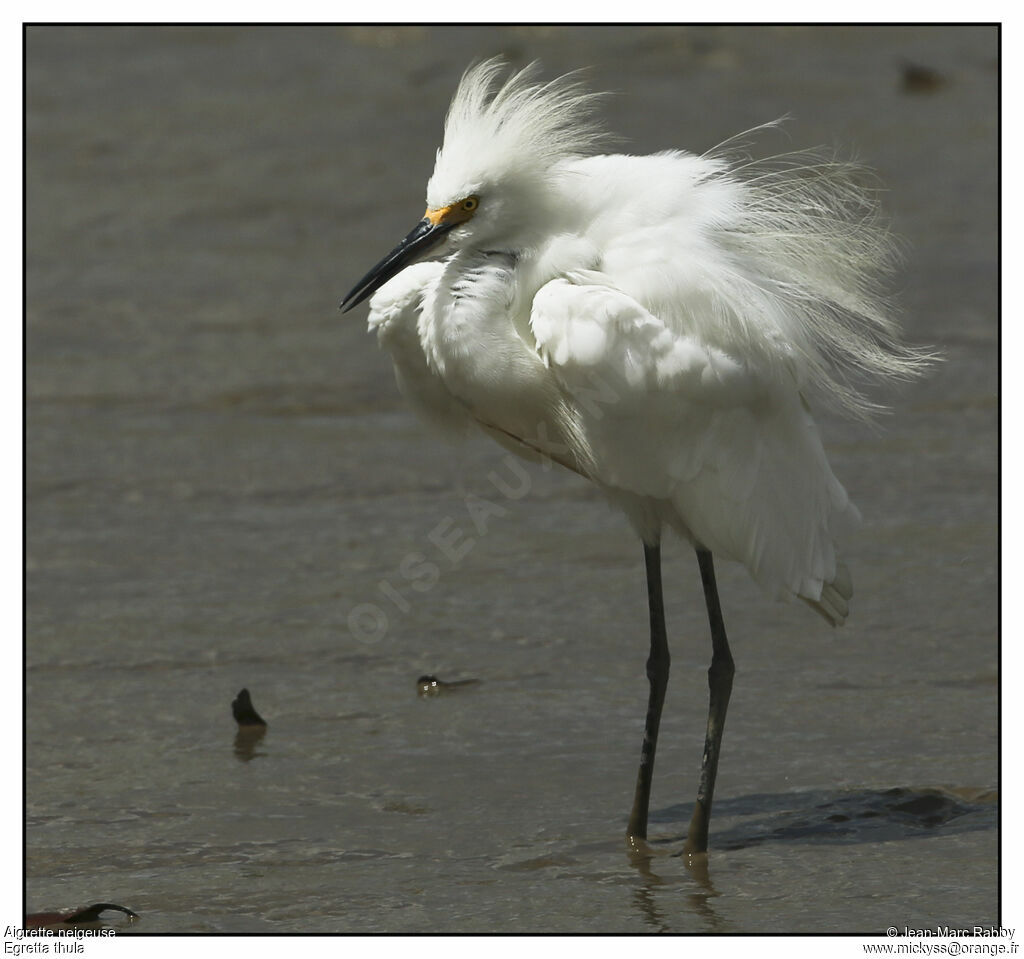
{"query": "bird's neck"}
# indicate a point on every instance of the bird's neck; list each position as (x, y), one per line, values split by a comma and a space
(471, 332)
(470, 311)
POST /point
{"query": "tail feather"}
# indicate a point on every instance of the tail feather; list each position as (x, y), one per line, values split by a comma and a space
(834, 603)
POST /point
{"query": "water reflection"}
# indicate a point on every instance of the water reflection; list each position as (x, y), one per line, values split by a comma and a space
(246, 740)
(643, 856)
(843, 817)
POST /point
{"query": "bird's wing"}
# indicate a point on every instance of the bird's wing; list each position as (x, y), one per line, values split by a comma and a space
(731, 446)
(394, 315)
(782, 260)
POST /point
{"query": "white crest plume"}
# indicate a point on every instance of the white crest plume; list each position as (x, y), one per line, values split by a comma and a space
(522, 128)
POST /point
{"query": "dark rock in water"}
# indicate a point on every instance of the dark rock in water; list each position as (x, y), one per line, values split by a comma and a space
(871, 815)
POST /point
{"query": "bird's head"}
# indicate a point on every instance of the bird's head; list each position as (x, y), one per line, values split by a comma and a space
(497, 177)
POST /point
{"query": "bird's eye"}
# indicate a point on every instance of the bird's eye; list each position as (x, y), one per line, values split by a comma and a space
(470, 204)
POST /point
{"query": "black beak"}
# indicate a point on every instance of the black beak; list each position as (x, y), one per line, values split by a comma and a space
(424, 237)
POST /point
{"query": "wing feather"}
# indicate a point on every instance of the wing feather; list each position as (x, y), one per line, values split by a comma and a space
(731, 446)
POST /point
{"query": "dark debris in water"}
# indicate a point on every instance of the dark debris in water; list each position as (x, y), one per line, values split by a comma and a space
(87, 915)
(428, 686)
(244, 712)
(252, 727)
(915, 78)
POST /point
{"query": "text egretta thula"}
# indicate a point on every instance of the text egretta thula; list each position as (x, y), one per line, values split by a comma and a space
(658, 324)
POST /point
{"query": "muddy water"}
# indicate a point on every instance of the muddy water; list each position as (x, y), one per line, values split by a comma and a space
(220, 471)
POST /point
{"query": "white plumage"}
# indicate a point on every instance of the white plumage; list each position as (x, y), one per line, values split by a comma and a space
(660, 324)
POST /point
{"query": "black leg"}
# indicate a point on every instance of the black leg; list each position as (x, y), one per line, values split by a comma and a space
(657, 674)
(720, 684)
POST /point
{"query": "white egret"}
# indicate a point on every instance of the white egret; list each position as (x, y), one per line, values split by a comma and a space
(658, 324)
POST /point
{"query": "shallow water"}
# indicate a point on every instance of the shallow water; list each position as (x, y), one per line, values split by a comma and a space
(220, 471)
